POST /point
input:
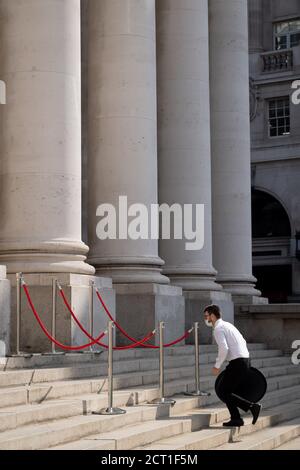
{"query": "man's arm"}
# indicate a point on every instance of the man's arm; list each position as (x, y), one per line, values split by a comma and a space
(222, 347)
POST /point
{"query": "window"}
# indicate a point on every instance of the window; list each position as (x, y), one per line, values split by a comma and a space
(287, 34)
(279, 117)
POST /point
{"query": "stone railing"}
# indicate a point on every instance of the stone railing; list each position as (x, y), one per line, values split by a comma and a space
(277, 61)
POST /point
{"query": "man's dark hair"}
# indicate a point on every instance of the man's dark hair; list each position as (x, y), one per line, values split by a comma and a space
(213, 309)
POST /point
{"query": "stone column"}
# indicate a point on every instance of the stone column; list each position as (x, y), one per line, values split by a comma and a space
(122, 130)
(184, 144)
(40, 173)
(40, 155)
(256, 18)
(122, 150)
(230, 132)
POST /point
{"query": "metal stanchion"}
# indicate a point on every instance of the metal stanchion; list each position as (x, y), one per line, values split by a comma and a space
(19, 277)
(53, 320)
(53, 324)
(197, 392)
(55, 284)
(162, 400)
(91, 311)
(19, 289)
(110, 410)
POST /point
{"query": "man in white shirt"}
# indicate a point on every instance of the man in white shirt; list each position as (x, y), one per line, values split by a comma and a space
(233, 348)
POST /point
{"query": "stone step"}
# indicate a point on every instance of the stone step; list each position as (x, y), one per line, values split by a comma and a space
(278, 397)
(44, 375)
(36, 393)
(278, 388)
(23, 416)
(49, 360)
(132, 436)
(30, 361)
(12, 417)
(268, 439)
(216, 437)
(198, 419)
(291, 445)
(65, 430)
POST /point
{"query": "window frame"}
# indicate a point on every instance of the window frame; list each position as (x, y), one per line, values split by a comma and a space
(287, 34)
(285, 117)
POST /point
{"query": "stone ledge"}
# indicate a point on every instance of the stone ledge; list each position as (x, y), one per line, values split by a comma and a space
(275, 309)
(65, 279)
(277, 325)
(150, 288)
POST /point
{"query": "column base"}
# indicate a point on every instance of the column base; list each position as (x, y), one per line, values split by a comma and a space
(59, 256)
(196, 301)
(130, 270)
(198, 279)
(249, 300)
(77, 290)
(5, 318)
(240, 287)
(140, 308)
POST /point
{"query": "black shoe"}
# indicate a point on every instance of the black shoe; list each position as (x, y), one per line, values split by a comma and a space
(255, 410)
(234, 423)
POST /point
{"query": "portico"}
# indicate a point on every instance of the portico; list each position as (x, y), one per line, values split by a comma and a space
(159, 80)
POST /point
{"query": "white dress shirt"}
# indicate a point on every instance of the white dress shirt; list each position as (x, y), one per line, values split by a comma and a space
(231, 344)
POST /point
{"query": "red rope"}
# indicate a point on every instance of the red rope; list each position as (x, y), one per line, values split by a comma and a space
(131, 346)
(117, 348)
(94, 341)
(186, 334)
(49, 336)
(176, 341)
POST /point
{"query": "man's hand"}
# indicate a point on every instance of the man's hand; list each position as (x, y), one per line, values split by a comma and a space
(216, 371)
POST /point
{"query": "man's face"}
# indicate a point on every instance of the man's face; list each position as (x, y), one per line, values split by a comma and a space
(208, 319)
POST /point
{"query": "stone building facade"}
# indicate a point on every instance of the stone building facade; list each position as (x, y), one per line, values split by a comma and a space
(274, 43)
(143, 98)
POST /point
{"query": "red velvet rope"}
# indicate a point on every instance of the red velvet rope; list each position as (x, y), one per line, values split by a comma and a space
(49, 336)
(186, 334)
(94, 341)
(117, 348)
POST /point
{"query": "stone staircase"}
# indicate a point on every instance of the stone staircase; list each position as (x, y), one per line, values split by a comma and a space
(47, 402)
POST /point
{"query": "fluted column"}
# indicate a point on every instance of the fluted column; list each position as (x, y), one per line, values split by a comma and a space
(184, 132)
(122, 136)
(40, 135)
(230, 127)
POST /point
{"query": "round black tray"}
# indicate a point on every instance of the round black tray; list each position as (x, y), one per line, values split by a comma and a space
(253, 388)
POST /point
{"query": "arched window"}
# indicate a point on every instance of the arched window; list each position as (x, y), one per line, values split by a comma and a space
(269, 218)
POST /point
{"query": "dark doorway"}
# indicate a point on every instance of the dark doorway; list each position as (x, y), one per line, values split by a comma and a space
(274, 282)
(270, 221)
(269, 218)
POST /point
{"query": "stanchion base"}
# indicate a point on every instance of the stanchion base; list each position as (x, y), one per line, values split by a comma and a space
(110, 412)
(197, 393)
(90, 352)
(56, 353)
(163, 401)
(24, 355)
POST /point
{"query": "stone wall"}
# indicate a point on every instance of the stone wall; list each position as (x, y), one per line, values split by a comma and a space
(277, 325)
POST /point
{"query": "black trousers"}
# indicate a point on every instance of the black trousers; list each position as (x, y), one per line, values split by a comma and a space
(235, 373)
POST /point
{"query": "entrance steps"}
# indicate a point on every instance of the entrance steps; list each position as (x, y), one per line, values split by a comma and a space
(47, 402)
